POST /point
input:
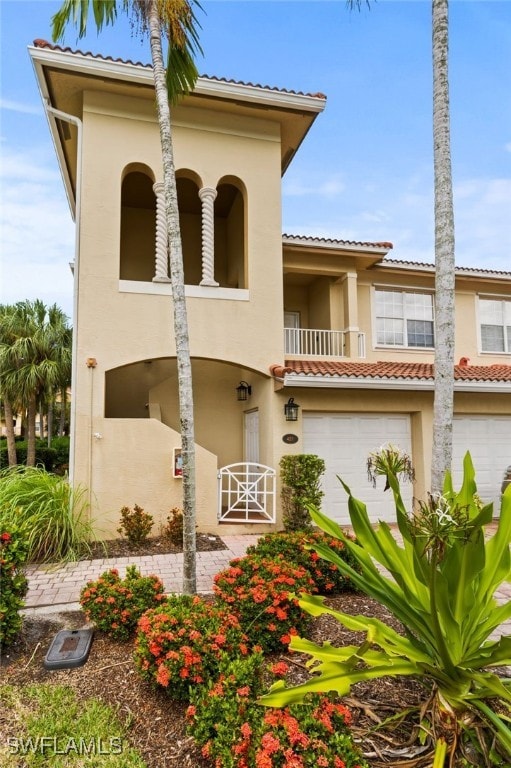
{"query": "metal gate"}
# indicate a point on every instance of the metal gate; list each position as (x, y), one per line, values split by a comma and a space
(246, 493)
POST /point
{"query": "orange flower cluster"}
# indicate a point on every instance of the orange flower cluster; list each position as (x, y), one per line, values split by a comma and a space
(263, 592)
(180, 643)
(115, 605)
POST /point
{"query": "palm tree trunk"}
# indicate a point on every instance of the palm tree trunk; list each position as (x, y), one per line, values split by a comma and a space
(32, 408)
(444, 252)
(184, 366)
(49, 421)
(9, 430)
(62, 419)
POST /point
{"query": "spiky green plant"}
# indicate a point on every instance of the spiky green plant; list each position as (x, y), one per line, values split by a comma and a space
(53, 516)
(442, 588)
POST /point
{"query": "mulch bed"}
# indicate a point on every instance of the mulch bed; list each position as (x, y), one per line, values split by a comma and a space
(158, 545)
(157, 723)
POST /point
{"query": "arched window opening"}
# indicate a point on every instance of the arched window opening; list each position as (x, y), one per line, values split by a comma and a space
(190, 224)
(230, 262)
(138, 222)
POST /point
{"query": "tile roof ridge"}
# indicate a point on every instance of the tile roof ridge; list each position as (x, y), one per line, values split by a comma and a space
(431, 265)
(319, 239)
(41, 43)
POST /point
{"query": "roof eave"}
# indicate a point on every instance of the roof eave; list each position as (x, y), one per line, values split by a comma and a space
(368, 382)
(142, 74)
(335, 245)
(52, 125)
(406, 266)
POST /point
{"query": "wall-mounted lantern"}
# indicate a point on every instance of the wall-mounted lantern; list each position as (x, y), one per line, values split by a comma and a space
(243, 390)
(291, 410)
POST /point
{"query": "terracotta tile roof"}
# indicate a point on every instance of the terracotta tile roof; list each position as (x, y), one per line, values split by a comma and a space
(331, 241)
(425, 265)
(280, 370)
(390, 370)
(39, 43)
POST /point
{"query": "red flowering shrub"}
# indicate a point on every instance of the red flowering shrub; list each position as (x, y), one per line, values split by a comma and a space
(179, 644)
(298, 547)
(261, 591)
(115, 605)
(237, 732)
(13, 584)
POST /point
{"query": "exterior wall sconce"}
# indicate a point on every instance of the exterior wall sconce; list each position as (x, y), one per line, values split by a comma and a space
(243, 390)
(291, 410)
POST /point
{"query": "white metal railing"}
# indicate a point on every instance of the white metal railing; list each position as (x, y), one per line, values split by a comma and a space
(246, 493)
(315, 342)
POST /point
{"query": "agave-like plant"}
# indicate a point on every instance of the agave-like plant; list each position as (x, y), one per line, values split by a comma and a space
(441, 585)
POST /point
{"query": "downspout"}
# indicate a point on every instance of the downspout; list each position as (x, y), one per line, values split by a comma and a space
(52, 114)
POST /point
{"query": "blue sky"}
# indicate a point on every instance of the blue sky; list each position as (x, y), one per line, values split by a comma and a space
(365, 170)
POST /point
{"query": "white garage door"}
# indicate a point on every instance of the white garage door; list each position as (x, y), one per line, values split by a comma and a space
(488, 438)
(344, 441)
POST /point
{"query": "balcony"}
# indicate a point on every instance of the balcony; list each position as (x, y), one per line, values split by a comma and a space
(315, 342)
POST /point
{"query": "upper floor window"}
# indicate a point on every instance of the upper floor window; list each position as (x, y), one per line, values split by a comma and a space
(495, 318)
(404, 319)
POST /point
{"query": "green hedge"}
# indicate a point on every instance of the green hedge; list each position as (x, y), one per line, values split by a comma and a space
(52, 459)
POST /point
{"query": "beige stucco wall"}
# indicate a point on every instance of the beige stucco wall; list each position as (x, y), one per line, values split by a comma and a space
(253, 155)
(131, 463)
(118, 328)
(467, 341)
(233, 336)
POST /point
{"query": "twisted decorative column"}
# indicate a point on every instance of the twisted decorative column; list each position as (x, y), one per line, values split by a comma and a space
(162, 253)
(207, 196)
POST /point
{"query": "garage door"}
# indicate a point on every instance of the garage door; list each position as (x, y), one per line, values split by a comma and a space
(344, 441)
(488, 438)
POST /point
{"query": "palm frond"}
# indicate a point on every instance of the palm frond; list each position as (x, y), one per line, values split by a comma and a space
(76, 12)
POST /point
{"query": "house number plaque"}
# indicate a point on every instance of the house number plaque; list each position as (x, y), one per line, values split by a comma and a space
(289, 438)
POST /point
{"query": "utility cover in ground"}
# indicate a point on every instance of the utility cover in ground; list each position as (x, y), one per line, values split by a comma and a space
(69, 648)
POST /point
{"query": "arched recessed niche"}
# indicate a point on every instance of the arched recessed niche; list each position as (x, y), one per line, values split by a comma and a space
(138, 222)
(230, 233)
(190, 222)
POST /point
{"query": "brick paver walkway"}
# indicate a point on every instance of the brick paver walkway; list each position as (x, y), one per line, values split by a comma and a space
(57, 588)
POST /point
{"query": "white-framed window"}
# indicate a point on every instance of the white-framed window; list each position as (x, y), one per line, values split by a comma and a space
(495, 320)
(404, 318)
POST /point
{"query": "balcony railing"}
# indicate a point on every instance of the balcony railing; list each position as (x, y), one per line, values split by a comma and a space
(314, 342)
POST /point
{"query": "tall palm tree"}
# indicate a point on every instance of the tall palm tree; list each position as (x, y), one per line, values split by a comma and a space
(34, 352)
(444, 251)
(176, 21)
(59, 390)
(8, 397)
(443, 406)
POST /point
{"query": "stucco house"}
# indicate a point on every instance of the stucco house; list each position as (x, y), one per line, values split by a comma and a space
(337, 329)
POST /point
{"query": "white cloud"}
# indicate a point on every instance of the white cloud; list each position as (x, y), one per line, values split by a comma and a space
(37, 232)
(26, 167)
(326, 188)
(403, 215)
(483, 231)
(18, 106)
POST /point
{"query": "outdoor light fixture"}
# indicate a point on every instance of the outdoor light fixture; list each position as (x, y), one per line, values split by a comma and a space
(291, 410)
(243, 390)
